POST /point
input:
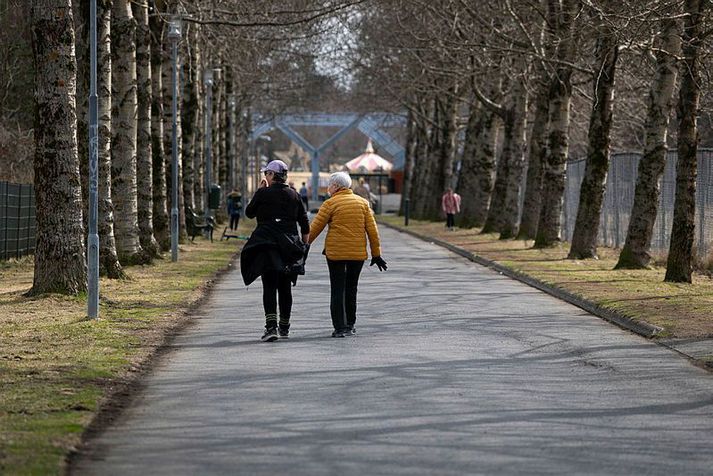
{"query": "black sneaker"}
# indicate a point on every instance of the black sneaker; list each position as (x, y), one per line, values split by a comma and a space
(270, 335)
(284, 333)
(350, 332)
(337, 333)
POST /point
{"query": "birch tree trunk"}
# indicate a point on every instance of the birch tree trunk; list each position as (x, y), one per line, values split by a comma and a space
(537, 152)
(504, 212)
(478, 174)
(635, 254)
(198, 157)
(60, 260)
(124, 130)
(160, 213)
(409, 161)
(144, 172)
(421, 168)
(467, 160)
(591, 196)
(537, 141)
(560, 96)
(493, 218)
(514, 153)
(189, 120)
(429, 190)
(679, 266)
(215, 129)
(470, 145)
(222, 125)
(108, 259)
(444, 156)
(420, 132)
(448, 151)
(425, 163)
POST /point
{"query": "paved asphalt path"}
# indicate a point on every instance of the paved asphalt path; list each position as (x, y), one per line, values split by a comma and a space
(456, 370)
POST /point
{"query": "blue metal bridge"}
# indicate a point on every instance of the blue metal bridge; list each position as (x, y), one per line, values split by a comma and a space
(372, 125)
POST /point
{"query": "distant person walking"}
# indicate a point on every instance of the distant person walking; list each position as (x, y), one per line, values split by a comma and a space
(450, 203)
(362, 189)
(350, 221)
(275, 251)
(235, 207)
(304, 195)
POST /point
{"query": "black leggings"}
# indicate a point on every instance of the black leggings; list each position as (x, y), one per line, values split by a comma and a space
(450, 220)
(275, 283)
(234, 218)
(344, 279)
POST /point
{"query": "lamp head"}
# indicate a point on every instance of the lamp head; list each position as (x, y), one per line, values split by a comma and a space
(174, 29)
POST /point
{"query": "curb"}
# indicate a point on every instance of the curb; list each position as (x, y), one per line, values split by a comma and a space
(639, 327)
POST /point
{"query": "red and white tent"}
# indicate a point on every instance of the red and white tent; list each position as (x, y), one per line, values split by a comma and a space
(369, 161)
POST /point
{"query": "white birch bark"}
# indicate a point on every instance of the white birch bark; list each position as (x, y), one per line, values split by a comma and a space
(60, 260)
(144, 173)
(124, 130)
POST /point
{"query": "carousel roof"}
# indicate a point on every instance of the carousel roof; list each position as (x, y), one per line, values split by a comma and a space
(369, 161)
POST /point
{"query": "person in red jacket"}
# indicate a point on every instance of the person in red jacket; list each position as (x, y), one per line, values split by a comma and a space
(450, 203)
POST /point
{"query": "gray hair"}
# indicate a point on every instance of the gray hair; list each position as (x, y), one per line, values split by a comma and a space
(340, 180)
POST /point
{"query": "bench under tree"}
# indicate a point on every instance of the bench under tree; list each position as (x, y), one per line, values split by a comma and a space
(196, 225)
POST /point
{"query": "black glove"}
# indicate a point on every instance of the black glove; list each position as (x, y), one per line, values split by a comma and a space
(379, 262)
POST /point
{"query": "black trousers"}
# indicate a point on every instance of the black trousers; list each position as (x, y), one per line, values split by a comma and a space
(450, 220)
(274, 284)
(344, 280)
(234, 218)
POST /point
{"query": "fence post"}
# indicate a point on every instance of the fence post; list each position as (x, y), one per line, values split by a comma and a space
(702, 193)
(17, 222)
(615, 179)
(4, 227)
(662, 206)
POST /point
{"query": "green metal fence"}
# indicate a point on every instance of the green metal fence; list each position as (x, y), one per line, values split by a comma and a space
(17, 220)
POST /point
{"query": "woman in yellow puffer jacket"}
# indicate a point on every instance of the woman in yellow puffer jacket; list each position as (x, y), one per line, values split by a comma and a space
(350, 221)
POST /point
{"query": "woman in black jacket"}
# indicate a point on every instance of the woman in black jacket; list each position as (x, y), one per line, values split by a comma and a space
(275, 251)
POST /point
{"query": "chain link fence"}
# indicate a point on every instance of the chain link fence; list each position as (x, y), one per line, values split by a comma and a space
(619, 198)
(17, 220)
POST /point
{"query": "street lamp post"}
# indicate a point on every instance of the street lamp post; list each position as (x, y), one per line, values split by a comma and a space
(231, 142)
(93, 235)
(208, 82)
(174, 34)
(258, 157)
(381, 203)
(244, 157)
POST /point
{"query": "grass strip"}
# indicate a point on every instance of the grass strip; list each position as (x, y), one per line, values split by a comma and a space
(57, 367)
(681, 310)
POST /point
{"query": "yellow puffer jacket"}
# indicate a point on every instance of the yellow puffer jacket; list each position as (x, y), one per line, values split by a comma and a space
(350, 221)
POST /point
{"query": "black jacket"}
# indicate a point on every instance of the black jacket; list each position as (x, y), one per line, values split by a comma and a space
(275, 244)
(278, 202)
